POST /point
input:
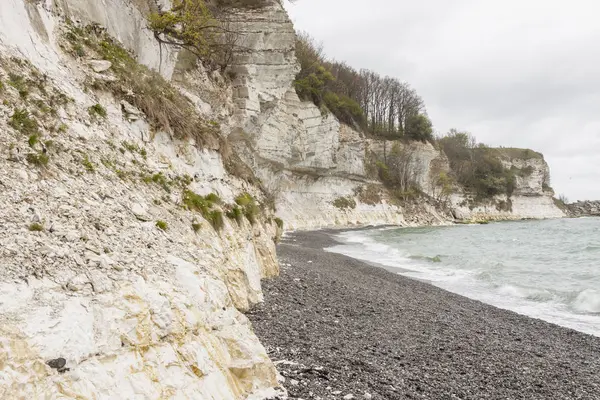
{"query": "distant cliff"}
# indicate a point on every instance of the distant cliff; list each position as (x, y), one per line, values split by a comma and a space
(584, 209)
(324, 173)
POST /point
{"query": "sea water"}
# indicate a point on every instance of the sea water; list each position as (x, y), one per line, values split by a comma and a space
(544, 269)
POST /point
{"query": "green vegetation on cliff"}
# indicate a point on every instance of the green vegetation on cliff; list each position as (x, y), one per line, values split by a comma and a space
(383, 106)
(479, 169)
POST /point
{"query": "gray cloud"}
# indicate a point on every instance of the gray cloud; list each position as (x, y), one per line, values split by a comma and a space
(514, 73)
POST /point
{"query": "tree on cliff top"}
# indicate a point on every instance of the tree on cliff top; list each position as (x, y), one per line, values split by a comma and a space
(383, 106)
(191, 25)
(477, 167)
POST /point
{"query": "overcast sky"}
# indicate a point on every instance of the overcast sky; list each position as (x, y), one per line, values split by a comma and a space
(516, 73)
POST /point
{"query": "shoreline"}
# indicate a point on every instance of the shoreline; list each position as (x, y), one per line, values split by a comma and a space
(336, 326)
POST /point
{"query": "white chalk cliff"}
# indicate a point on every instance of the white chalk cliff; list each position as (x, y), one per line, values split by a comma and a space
(85, 273)
(308, 160)
(105, 269)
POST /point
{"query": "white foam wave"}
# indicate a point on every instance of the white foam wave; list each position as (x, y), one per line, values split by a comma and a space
(588, 301)
(482, 284)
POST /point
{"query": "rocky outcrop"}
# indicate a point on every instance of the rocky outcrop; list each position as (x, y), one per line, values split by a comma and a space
(532, 196)
(584, 209)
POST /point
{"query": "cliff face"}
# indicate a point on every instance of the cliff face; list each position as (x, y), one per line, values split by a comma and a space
(309, 160)
(584, 209)
(102, 263)
(532, 196)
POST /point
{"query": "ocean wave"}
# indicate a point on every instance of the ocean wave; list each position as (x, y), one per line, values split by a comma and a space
(588, 301)
(533, 294)
(543, 280)
(592, 248)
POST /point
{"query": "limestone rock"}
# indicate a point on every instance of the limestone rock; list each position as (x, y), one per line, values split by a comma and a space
(132, 113)
(140, 211)
(100, 65)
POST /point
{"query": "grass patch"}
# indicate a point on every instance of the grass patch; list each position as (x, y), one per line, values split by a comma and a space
(160, 179)
(344, 202)
(97, 111)
(213, 198)
(132, 147)
(62, 128)
(164, 106)
(33, 140)
(89, 166)
(236, 214)
(196, 226)
(36, 227)
(215, 217)
(204, 205)
(21, 121)
(162, 225)
(38, 159)
(249, 206)
(279, 222)
(19, 83)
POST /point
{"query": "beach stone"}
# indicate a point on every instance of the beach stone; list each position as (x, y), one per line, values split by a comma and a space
(57, 363)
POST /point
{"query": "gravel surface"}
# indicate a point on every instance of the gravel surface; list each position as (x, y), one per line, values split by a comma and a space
(338, 328)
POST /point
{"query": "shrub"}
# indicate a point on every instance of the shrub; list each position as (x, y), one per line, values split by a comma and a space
(419, 127)
(479, 168)
(344, 108)
(36, 227)
(192, 26)
(204, 205)
(561, 202)
(162, 225)
(370, 194)
(279, 222)
(165, 107)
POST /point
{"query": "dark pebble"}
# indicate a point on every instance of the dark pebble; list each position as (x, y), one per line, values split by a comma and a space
(57, 363)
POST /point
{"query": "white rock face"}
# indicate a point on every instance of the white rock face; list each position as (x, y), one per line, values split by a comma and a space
(85, 272)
